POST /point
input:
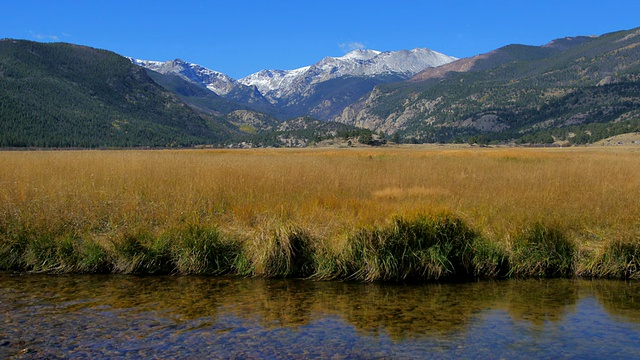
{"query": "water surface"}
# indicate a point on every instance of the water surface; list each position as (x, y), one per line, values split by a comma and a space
(105, 316)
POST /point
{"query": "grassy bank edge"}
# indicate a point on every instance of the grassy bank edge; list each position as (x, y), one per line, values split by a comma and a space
(437, 247)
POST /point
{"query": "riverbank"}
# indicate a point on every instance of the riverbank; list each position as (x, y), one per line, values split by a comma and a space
(426, 248)
(350, 214)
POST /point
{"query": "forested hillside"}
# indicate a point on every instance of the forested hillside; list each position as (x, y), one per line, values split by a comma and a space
(63, 95)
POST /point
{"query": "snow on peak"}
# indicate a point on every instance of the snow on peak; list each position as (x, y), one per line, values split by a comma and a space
(273, 80)
(360, 54)
(149, 64)
(278, 84)
(215, 81)
(275, 84)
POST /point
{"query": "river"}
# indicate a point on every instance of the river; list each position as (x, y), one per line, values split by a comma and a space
(116, 316)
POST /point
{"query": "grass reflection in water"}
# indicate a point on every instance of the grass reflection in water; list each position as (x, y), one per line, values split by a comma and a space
(93, 315)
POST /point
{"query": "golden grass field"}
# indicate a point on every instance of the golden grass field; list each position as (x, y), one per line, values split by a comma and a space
(589, 193)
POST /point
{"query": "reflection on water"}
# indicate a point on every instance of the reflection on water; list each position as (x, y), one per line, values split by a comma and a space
(218, 317)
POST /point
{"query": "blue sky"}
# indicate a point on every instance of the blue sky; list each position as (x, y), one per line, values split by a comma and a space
(244, 36)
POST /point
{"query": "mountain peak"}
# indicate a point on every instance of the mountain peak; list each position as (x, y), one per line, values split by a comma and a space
(567, 42)
(215, 81)
(307, 90)
(179, 61)
(361, 54)
(357, 63)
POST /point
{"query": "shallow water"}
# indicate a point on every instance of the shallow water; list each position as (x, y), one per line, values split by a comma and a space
(93, 316)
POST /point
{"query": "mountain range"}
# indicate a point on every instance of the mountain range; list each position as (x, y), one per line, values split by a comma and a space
(575, 89)
(217, 82)
(321, 90)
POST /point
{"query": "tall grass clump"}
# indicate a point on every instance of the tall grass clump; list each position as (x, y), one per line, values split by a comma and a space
(421, 249)
(287, 252)
(619, 259)
(72, 254)
(91, 257)
(31, 253)
(198, 249)
(542, 251)
(133, 254)
(11, 250)
(42, 251)
(489, 259)
(41, 254)
(37, 251)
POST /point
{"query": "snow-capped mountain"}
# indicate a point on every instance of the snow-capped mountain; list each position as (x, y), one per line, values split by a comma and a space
(278, 84)
(322, 90)
(275, 83)
(215, 81)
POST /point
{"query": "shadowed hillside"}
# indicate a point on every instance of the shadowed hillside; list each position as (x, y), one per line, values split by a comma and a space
(63, 95)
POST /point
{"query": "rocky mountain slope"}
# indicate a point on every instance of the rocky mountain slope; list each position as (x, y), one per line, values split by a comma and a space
(325, 88)
(276, 85)
(321, 90)
(559, 91)
(218, 83)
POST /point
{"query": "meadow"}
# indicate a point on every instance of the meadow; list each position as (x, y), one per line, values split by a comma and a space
(369, 214)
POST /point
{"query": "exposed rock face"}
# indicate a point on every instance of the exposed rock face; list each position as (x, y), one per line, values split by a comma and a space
(215, 81)
(324, 89)
(517, 89)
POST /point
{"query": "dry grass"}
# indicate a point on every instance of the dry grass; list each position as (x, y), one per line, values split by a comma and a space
(590, 194)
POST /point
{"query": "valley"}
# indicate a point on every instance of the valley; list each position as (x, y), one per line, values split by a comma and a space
(570, 91)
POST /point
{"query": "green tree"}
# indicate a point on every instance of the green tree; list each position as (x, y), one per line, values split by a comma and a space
(365, 138)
